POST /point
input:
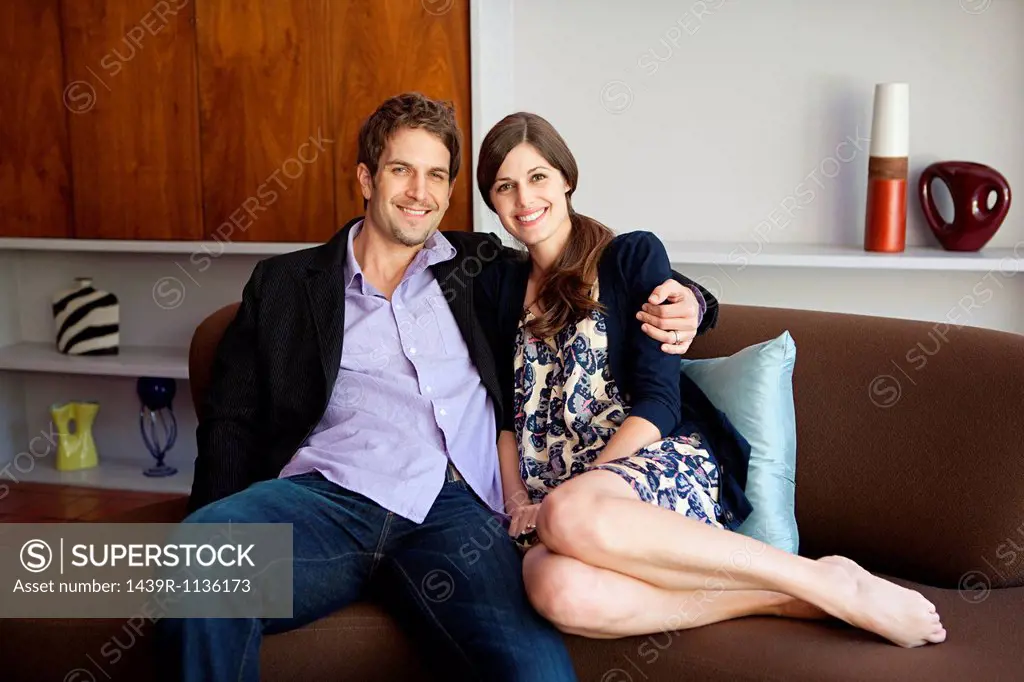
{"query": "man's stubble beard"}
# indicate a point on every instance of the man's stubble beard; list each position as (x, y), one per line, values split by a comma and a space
(405, 239)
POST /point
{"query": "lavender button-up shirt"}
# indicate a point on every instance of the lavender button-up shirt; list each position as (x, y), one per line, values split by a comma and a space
(407, 399)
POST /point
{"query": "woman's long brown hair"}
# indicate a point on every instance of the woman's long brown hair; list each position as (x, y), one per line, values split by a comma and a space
(564, 293)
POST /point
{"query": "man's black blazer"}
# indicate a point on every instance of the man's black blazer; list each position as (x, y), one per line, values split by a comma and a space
(275, 367)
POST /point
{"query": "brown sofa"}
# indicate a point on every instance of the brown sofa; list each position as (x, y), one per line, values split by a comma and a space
(910, 461)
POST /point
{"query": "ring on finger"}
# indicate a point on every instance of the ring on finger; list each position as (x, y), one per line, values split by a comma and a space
(675, 336)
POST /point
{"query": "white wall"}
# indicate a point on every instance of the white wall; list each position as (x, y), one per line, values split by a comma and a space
(704, 144)
(977, 299)
(698, 119)
(491, 26)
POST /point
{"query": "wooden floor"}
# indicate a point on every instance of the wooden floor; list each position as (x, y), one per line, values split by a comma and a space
(44, 503)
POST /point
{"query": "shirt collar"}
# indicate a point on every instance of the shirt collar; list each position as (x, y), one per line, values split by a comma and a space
(435, 250)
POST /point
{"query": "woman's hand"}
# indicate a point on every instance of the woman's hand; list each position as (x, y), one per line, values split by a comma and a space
(524, 519)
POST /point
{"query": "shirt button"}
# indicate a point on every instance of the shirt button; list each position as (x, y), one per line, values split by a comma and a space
(412, 351)
(443, 412)
(428, 389)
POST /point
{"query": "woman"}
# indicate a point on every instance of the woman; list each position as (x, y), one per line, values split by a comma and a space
(622, 481)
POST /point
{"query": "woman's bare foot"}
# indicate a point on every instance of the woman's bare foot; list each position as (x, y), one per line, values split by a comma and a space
(863, 600)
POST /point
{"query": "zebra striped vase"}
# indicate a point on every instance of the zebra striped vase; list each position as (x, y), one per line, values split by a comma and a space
(87, 320)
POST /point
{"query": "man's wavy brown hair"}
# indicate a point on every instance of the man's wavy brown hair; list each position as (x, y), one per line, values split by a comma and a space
(564, 293)
(410, 110)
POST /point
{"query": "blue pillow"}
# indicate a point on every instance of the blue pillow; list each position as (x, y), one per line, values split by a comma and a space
(754, 388)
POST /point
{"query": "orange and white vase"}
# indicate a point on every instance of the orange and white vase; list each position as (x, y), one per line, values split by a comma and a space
(885, 226)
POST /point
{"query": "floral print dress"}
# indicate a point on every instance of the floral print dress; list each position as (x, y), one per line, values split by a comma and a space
(568, 406)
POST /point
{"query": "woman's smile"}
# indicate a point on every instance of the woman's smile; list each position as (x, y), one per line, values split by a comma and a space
(531, 218)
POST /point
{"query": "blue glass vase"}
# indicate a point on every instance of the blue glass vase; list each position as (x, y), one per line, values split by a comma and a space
(157, 423)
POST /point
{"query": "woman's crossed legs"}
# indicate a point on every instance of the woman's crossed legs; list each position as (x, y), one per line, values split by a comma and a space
(613, 566)
(602, 604)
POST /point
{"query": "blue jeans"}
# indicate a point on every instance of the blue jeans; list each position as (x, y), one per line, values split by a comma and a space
(454, 581)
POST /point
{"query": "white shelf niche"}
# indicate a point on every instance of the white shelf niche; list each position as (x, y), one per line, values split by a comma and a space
(131, 361)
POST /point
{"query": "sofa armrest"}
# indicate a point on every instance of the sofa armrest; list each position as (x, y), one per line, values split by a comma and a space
(165, 511)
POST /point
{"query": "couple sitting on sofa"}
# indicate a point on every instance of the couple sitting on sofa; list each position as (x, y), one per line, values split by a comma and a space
(391, 392)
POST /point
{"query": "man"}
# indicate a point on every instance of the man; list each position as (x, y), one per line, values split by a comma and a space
(354, 397)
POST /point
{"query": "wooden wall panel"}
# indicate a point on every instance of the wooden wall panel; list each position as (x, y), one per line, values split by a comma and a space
(383, 48)
(34, 184)
(134, 122)
(266, 136)
(216, 119)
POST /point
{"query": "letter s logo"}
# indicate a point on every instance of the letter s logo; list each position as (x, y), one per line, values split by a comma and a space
(36, 556)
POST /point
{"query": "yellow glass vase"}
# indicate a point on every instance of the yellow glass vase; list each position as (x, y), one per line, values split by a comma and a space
(76, 449)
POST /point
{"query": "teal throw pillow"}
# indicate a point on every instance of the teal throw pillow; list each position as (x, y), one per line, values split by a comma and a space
(754, 388)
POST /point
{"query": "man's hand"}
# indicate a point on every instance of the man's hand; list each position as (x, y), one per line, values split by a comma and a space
(671, 316)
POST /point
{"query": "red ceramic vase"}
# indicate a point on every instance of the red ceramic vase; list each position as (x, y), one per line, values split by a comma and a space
(970, 185)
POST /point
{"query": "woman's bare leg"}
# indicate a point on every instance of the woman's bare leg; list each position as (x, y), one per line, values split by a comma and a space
(596, 518)
(594, 602)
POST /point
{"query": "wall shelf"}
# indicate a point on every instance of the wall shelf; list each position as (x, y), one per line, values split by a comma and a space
(130, 362)
(1006, 260)
(1003, 260)
(210, 248)
(116, 475)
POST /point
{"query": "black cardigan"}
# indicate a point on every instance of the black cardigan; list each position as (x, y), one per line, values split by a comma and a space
(630, 268)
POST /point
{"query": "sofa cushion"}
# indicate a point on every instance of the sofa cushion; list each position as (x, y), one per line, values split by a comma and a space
(754, 388)
(984, 642)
